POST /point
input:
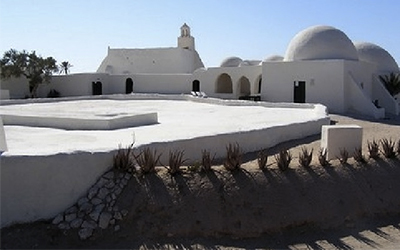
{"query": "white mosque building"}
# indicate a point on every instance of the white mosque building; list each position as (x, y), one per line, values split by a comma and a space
(321, 65)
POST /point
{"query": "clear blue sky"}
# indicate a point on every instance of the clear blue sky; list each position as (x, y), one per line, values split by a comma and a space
(79, 31)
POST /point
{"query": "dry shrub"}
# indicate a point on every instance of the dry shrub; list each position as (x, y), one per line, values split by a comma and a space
(305, 157)
(358, 156)
(262, 159)
(206, 160)
(233, 159)
(283, 159)
(373, 149)
(176, 161)
(122, 160)
(147, 160)
(388, 148)
(322, 157)
(343, 156)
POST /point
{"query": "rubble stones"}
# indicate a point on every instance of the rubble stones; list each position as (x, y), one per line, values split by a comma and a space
(97, 209)
(85, 233)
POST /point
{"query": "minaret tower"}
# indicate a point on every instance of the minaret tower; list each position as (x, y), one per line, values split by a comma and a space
(186, 41)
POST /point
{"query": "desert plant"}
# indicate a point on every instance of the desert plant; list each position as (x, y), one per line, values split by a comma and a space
(206, 160)
(122, 160)
(283, 159)
(147, 160)
(262, 159)
(322, 157)
(343, 156)
(358, 156)
(373, 149)
(398, 148)
(305, 157)
(194, 167)
(175, 161)
(388, 148)
(233, 159)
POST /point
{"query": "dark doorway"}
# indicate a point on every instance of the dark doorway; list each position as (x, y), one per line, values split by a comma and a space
(299, 92)
(259, 86)
(128, 86)
(97, 88)
(196, 86)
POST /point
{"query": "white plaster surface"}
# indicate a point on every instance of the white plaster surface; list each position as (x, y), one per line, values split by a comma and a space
(340, 137)
(3, 142)
(54, 167)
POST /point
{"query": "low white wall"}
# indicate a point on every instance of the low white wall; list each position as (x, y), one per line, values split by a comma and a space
(40, 187)
(4, 94)
(249, 141)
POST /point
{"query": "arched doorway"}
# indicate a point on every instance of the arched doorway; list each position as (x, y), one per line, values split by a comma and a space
(97, 88)
(244, 86)
(128, 86)
(224, 84)
(196, 86)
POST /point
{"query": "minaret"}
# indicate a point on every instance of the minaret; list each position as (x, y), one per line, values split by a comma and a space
(186, 41)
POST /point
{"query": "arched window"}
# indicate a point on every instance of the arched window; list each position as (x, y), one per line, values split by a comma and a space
(196, 86)
(258, 85)
(128, 86)
(97, 88)
(224, 84)
(244, 86)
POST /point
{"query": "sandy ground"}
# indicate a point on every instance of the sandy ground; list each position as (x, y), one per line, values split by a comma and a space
(336, 207)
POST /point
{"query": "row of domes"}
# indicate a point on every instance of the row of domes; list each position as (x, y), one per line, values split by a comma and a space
(326, 43)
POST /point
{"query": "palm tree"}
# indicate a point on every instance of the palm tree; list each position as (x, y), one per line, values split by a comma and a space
(64, 67)
(391, 82)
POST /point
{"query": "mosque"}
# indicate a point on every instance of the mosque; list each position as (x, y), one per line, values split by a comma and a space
(321, 65)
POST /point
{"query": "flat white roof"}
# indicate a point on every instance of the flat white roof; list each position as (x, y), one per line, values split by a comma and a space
(178, 119)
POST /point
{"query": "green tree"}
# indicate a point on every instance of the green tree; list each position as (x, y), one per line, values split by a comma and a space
(35, 68)
(64, 67)
(391, 82)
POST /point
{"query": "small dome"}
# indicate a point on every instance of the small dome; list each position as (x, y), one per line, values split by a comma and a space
(199, 70)
(231, 62)
(320, 43)
(273, 58)
(249, 63)
(372, 53)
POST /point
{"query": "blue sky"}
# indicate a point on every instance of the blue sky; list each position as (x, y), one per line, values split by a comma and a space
(80, 31)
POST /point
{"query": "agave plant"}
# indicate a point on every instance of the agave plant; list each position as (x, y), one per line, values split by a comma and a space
(388, 148)
(373, 149)
(283, 159)
(175, 161)
(233, 159)
(147, 160)
(358, 156)
(262, 159)
(322, 157)
(305, 157)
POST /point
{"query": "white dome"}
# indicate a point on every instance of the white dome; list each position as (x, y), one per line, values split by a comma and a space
(231, 62)
(249, 63)
(274, 58)
(372, 53)
(320, 43)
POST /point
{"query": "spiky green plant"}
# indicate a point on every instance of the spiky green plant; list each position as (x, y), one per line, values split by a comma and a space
(343, 156)
(358, 155)
(206, 160)
(147, 160)
(388, 148)
(322, 157)
(373, 149)
(305, 157)
(175, 161)
(262, 159)
(398, 148)
(283, 159)
(122, 160)
(233, 159)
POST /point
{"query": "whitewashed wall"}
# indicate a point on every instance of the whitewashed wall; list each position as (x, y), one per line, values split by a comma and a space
(208, 79)
(324, 82)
